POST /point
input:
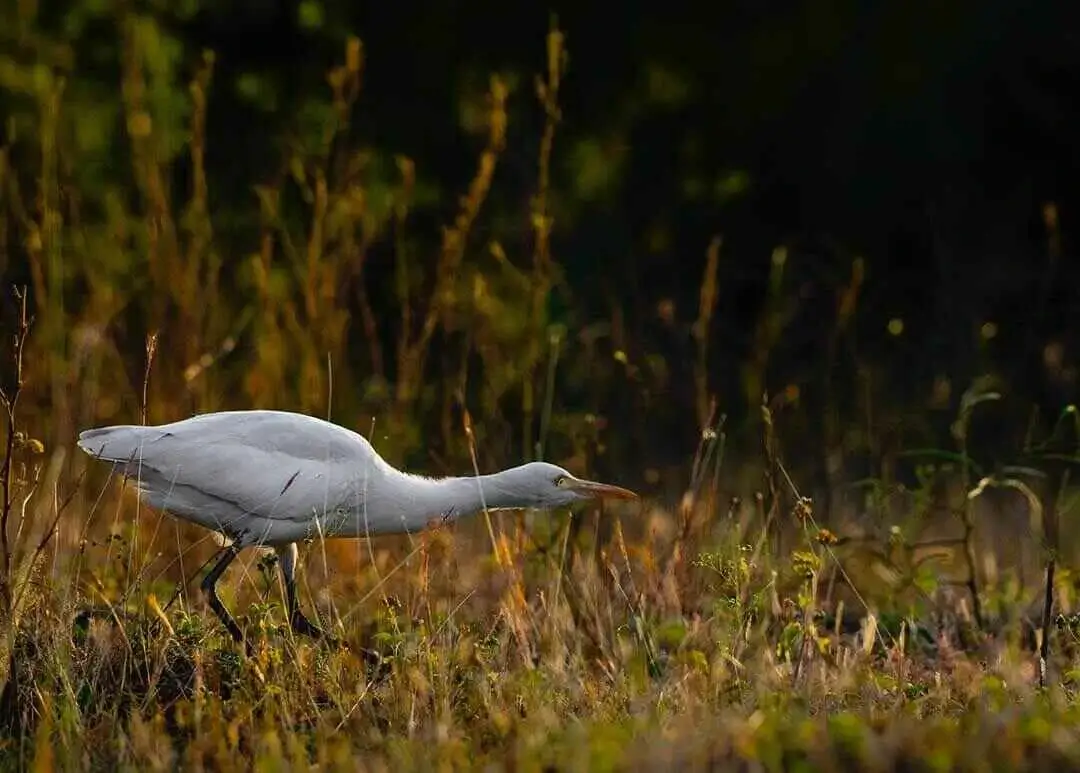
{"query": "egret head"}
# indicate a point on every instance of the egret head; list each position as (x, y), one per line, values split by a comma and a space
(548, 486)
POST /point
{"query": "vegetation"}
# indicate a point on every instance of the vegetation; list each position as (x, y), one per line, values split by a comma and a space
(848, 555)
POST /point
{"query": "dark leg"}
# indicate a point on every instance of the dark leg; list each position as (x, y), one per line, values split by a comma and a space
(287, 555)
(209, 586)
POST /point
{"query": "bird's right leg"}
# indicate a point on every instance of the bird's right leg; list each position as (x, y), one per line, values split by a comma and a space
(288, 556)
(209, 587)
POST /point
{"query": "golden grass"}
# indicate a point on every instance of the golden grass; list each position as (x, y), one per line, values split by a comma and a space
(661, 647)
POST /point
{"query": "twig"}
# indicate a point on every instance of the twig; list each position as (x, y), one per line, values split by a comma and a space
(1050, 538)
(706, 308)
(1048, 610)
(10, 401)
(772, 462)
(547, 92)
(151, 349)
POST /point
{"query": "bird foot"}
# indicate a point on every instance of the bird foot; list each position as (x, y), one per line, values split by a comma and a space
(304, 627)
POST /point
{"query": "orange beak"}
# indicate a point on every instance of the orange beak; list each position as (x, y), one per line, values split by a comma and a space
(593, 490)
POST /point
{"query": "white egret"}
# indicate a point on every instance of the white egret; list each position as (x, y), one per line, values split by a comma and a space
(273, 478)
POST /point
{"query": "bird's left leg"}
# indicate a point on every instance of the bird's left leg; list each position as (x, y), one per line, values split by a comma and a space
(287, 556)
(209, 586)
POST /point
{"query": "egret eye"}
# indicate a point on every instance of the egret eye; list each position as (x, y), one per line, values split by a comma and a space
(559, 481)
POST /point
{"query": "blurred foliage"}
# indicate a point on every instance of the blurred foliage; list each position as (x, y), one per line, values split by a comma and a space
(585, 239)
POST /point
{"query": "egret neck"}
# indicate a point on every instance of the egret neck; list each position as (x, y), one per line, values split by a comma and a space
(412, 502)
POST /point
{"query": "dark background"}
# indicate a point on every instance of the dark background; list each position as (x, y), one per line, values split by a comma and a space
(930, 140)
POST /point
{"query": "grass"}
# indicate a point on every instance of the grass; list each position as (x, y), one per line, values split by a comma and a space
(700, 645)
(736, 629)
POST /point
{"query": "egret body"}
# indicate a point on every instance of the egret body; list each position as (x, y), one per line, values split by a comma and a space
(273, 478)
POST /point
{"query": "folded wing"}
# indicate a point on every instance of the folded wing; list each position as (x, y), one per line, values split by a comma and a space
(276, 466)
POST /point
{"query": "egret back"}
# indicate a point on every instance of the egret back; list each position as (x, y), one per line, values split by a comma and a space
(268, 475)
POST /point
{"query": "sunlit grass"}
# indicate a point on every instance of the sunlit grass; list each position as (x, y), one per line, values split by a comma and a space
(655, 648)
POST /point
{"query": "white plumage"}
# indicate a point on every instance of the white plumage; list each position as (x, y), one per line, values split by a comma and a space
(275, 478)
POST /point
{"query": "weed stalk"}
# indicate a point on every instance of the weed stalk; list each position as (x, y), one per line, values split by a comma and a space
(10, 399)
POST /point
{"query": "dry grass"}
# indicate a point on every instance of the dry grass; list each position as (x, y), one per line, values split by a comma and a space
(688, 646)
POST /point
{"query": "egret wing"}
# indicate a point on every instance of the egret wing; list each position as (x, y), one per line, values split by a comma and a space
(278, 466)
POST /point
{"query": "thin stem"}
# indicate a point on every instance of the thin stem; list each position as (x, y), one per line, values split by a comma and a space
(1048, 611)
(10, 401)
